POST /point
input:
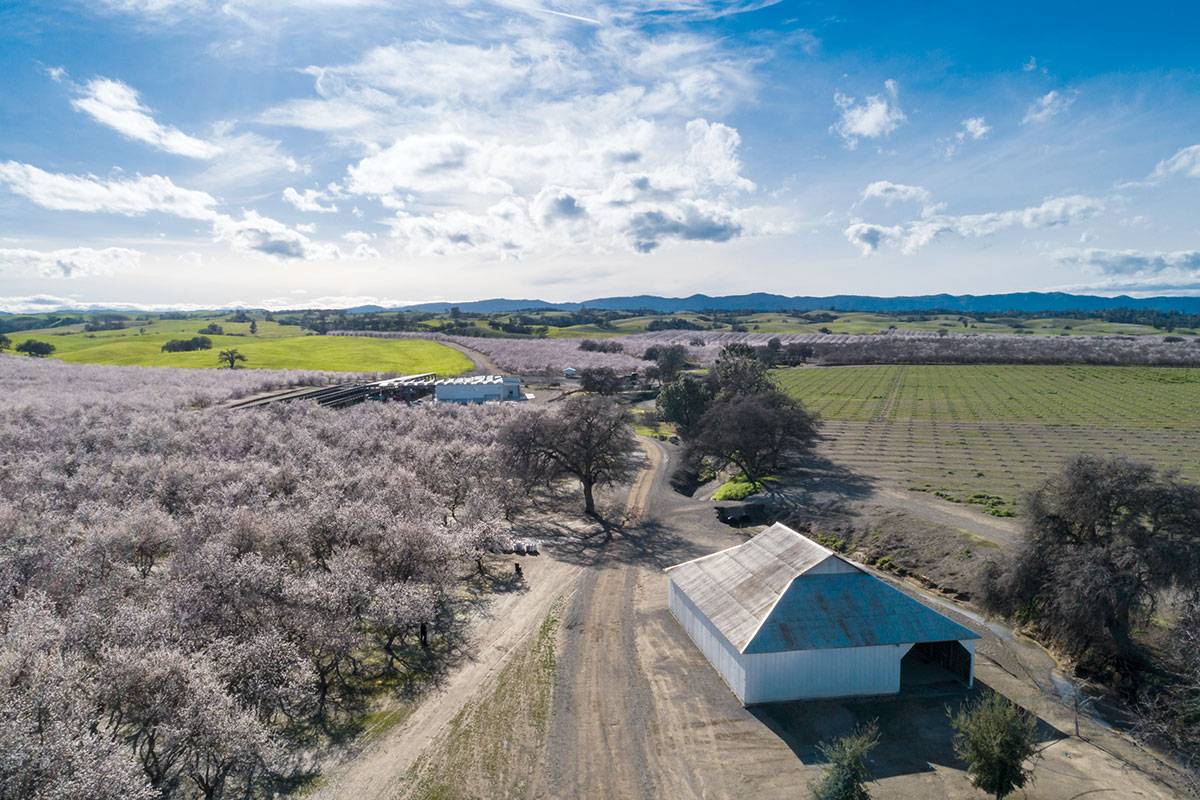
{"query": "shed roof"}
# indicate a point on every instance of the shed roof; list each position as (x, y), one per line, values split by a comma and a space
(783, 591)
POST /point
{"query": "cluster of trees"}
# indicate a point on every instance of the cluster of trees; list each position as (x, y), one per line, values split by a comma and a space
(187, 345)
(182, 589)
(736, 414)
(603, 381)
(1163, 320)
(105, 322)
(674, 324)
(601, 346)
(212, 329)
(1109, 546)
(35, 347)
(1006, 349)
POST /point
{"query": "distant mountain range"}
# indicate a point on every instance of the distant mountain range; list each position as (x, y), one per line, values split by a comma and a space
(760, 301)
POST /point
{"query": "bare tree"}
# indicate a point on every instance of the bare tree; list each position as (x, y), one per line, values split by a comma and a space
(587, 438)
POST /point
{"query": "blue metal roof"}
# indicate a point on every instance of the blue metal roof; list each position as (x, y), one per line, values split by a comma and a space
(817, 612)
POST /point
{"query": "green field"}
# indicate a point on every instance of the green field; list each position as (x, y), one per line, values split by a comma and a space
(997, 430)
(274, 346)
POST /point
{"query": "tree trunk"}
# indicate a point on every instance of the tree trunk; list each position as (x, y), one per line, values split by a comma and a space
(589, 502)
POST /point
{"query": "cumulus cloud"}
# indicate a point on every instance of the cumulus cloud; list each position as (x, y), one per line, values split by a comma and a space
(637, 186)
(1048, 105)
(914, 235)
(1185, 162)
(310, 200)
(877, 116)
(133, 197)
(75, 262)
(868, 238)
(254, 233)
(117, 105)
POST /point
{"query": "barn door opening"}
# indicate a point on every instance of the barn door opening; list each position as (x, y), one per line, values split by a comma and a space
(936, 662)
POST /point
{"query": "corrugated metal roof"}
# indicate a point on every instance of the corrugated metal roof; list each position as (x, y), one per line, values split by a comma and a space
(819, 612)
(735, 588)
(775, 593)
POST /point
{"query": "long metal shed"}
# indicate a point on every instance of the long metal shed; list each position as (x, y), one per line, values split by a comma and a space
(783, 618)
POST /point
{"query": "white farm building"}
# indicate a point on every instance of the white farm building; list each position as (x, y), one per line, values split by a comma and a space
(477, 389)
(783, 618)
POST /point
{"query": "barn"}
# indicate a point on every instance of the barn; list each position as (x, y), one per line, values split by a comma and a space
(783, 618)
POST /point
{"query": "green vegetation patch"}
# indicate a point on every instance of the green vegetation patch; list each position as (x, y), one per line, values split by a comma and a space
(270, 348)
(738, 488)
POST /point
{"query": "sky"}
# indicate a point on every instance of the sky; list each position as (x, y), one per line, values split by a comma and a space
(331, 153)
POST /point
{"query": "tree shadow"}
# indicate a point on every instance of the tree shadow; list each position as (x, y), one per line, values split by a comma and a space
(914, 726)
(646, 542)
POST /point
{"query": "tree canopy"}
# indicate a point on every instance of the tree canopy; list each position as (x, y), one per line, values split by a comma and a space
(755, 431)
(846, 774)
(996, 738)
(36, 348)
(1102, 539)
(230, 357)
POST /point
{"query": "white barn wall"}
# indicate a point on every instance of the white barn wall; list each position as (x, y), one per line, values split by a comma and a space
(716, 648)
(835, 672)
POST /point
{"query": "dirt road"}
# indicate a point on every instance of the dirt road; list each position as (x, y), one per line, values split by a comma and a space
(483, 363)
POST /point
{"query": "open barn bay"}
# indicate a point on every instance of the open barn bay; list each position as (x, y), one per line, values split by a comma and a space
(983, 433)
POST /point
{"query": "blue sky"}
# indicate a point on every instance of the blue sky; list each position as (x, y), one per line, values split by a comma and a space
(173, 153)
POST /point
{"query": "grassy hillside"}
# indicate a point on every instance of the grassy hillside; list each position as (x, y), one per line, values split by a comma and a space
(274, 346)
(995, 431)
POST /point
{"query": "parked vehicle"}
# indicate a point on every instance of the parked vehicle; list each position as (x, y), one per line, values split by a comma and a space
(519, 548)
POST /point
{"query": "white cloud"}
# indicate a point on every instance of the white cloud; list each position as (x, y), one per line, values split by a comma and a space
(88, 193)
(118, 106)
(974, 128)
(890, 193)
(1185, 162)
(252, 233)
(1049, 105)
(1125, 262)
(310, 200)
(1135, 271)
(75, 262)
(637, 187)
(877, 116)
(256, 234)
(868, 238)
(916, 234)
(246, 156)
